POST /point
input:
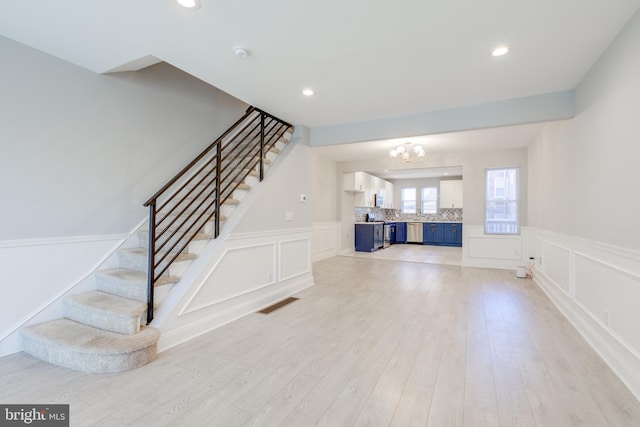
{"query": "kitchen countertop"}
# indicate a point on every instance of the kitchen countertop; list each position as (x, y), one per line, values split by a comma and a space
(386, 222)
(440, 222)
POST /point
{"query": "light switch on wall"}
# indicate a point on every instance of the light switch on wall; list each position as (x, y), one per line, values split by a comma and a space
(303, 198)
(288, 216)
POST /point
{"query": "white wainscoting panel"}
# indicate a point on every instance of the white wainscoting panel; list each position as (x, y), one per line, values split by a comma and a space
(325, 240)
(295, 258)
(597, 287)
(557, 260)
(611, 295)
(491, 251)
(240, 270)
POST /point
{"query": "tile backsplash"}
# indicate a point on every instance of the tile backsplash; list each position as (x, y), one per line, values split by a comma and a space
(396, 215)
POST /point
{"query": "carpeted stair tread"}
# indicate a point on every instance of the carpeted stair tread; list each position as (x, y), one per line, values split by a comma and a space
(128, 283)
(107, 303)
(257, 158)
(143, 252)
(241, 186)
(133, 276)
(138, 259)
(76, 346)
(200, 235)
(105, 311)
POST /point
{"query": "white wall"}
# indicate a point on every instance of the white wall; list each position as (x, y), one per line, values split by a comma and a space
(324, 188)
(584, 209)
(281, 194)
(325, 238)
(587, 167)
(81, 153)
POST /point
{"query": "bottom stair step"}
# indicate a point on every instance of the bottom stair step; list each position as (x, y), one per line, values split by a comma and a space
(73, 345)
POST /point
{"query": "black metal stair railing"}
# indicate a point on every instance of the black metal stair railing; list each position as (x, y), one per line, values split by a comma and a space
(183, 207)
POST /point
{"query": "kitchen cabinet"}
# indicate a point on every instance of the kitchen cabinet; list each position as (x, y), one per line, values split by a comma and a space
(392, 232)
(388, 195)
(443, 234)
(401, 232)
(457, 232)
(451, 194)
(369, 236)
(369, 190)
(353, 181)
(453, 234)
(365, 188)
(433, 233)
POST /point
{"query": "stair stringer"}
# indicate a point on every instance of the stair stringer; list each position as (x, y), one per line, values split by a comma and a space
(178, 319)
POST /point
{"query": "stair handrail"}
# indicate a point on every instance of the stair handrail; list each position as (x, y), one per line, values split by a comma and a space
(232, 157)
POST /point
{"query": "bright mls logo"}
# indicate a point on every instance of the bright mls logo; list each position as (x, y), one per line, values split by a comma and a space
(34, 415)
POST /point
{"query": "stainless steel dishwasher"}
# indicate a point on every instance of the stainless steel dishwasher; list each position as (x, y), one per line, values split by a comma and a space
(414, 232)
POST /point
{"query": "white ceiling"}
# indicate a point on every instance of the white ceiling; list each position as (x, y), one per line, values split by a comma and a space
(366, 59)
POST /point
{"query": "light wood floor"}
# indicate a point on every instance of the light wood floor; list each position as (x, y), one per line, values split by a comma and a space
(414, 252)
(375, 342)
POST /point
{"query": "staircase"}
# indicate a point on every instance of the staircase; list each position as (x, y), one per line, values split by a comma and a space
(105, 330)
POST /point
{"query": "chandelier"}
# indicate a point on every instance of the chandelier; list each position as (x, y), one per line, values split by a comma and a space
(403, 153)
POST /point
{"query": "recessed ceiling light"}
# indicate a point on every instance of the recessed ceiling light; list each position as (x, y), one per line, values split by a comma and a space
(307, 92)
(240, 51)
(446, 173)
(189, 4)
(500, 50)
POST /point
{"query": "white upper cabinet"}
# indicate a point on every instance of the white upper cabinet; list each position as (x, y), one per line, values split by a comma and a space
(369, 189)
(388, 195)
(366, 188)
(353, 181)
(451, 194)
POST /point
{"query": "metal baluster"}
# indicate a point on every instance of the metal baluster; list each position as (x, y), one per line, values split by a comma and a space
(151, 279)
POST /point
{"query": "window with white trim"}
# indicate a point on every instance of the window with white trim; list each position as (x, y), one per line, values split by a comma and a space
(502, 201)
(408, 201)
(430, 200)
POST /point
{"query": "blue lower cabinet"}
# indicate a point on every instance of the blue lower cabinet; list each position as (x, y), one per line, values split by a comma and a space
(453, 234)
(457, 234)
(401, 233)
(443, 234)
(392, 232)
(369, 237)
(433, 233)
